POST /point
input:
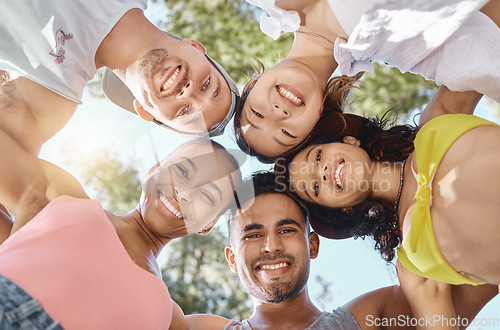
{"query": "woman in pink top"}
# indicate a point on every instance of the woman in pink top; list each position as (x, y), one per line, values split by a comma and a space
(76, 266)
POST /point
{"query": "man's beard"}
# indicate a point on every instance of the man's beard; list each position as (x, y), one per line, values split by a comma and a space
(279, 291)
(151, 63)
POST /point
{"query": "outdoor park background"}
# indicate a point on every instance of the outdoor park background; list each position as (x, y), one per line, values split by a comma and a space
(107, 148)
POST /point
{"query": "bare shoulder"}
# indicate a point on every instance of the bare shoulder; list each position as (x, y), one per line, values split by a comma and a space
(205, 322)
(375, 308)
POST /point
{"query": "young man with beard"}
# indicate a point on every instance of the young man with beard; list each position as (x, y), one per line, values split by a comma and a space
(50, 49)
(270, 248)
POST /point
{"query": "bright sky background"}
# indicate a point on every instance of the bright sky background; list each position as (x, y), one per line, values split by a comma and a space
(351, 266)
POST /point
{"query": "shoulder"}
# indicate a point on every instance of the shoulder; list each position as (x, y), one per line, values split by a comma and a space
(387, 302)
(205, 321)
(341, 318)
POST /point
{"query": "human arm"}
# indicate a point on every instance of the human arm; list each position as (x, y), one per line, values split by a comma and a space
(390, 303)
(205, 322)
(429, 300)
(195, 321)
(178, 322)
(28, 184)
(446, 102)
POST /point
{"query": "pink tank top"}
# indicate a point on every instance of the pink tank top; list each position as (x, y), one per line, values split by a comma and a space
(70, 259)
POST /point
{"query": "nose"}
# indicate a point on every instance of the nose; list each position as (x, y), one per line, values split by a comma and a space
(323, 173)
(280, 111)
(183, 197)
(187, 90)
(272, 244)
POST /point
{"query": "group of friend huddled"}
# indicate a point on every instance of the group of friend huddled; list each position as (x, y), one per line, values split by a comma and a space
(65, 262)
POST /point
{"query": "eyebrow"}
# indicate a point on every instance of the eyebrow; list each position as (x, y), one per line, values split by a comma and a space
(282, 143)
(250, 122)
(308, 153)
(217, 89)
(251, 227)
(214, 186)
(285, 222)
(191, 163)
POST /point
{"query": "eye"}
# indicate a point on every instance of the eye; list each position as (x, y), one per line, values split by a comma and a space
(207, 196)
(252, 236)
(318, 156)
(257, 114)
(180, 169)
(316, 189)
(183, 111)
(206, 84)
(287, 133)
(286, 231)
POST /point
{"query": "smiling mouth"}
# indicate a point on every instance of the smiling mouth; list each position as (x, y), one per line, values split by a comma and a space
(289, 96)
(339, 175)
(273, 266)
(169, 206)
(168, 83)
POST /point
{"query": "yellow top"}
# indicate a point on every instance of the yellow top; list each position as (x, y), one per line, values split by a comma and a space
(419, 252)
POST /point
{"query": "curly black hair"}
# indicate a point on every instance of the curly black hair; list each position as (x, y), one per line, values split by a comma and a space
(371, 218)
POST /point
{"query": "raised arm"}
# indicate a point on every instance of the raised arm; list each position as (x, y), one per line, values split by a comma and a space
(429, 300)
(390, 303)
(446, 101)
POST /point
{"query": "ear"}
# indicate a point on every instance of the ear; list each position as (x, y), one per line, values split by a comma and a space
(313, 245)
(205, 230)
(230, 257)
(196, 44)
(143, 113)
(351, 140)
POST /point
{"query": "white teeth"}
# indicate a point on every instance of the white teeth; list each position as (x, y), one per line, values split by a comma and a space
(169, 206)
(276, 266)
(171, 79)
(290, 96)
(338, 175)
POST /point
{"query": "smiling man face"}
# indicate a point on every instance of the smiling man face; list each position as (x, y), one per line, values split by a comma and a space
(181, 87)
(271, 248)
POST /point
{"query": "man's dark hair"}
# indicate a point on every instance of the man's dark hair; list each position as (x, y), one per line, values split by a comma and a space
(263, 182)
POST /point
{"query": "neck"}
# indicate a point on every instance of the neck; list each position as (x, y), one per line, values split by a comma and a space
(315, 54)
(132, 37)
(140, 243)
(386, 181)
(296, 313)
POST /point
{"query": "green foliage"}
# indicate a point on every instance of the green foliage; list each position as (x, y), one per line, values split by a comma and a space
(199, 279)
(388, 88)
(229, 31)
(107, 179)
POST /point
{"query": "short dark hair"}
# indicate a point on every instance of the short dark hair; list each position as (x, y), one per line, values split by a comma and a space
(262, 182)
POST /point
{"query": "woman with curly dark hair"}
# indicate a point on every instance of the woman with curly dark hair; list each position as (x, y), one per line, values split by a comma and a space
(379, 186)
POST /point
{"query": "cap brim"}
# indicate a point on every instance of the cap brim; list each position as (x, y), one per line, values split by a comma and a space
(116, 91)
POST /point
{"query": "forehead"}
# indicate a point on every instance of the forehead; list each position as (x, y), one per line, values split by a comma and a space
(267, 209)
